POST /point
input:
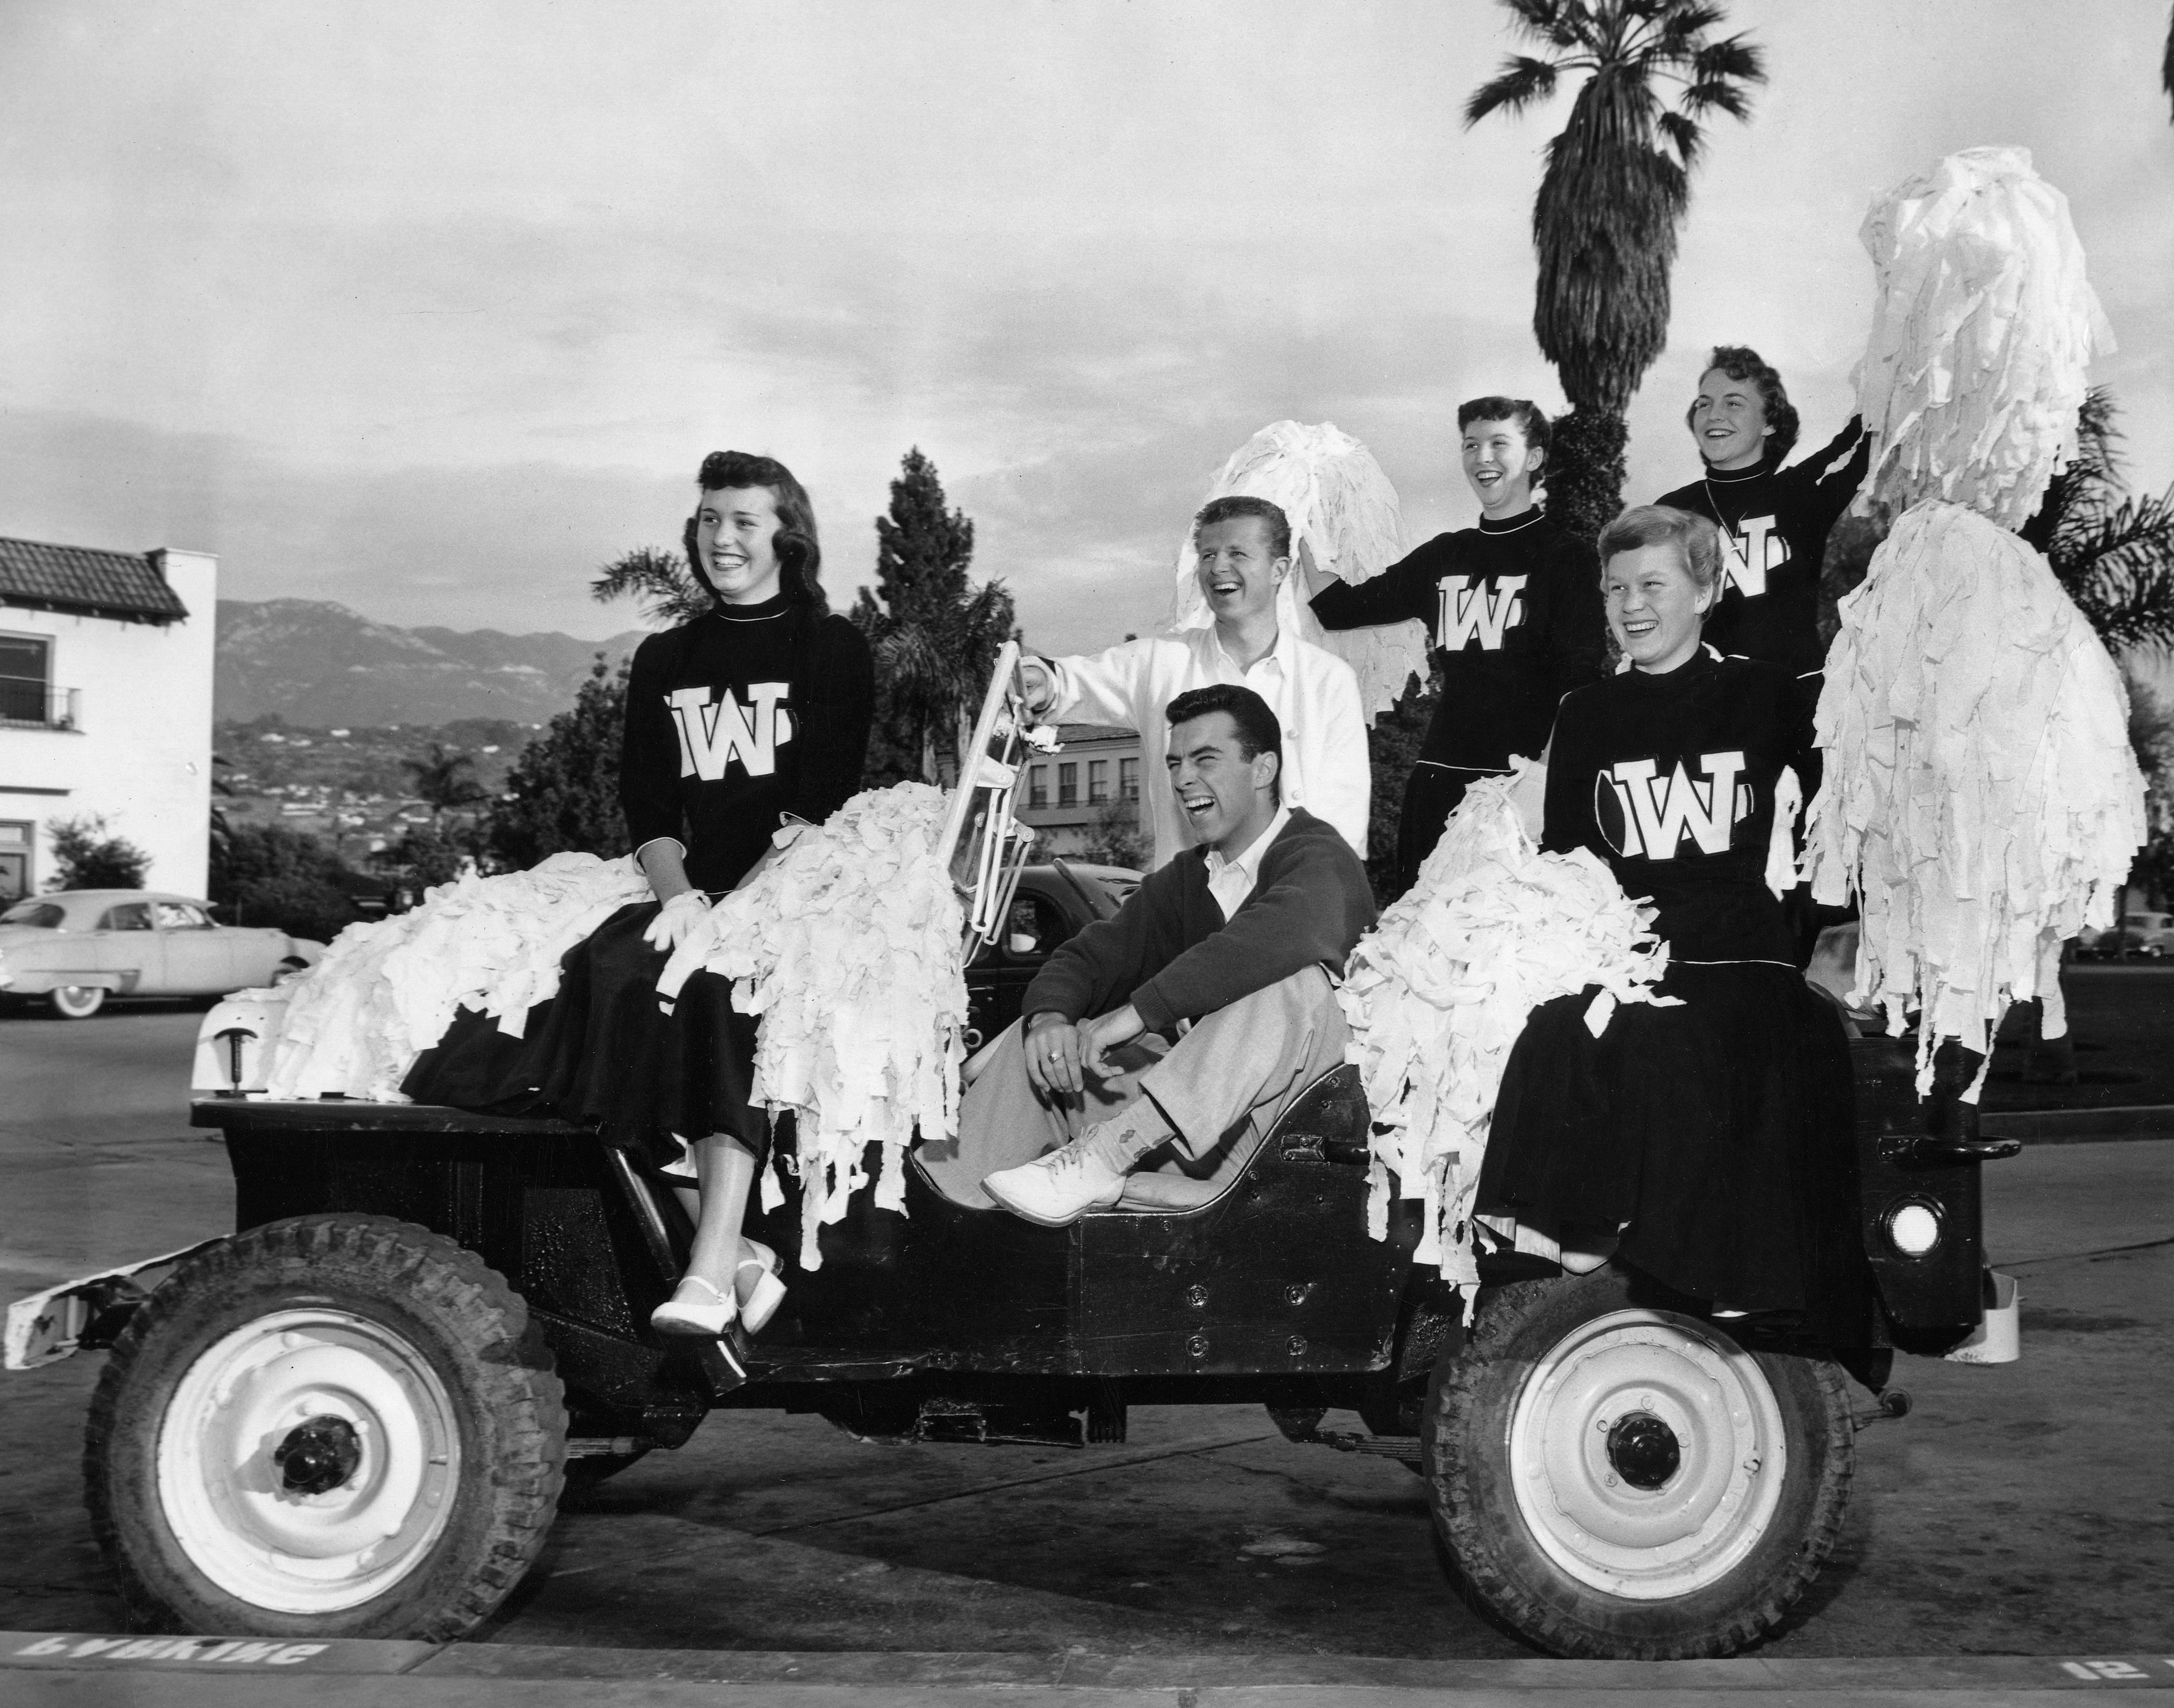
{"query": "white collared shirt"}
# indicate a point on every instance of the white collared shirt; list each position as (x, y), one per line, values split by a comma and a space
(1231, 881)
(1311, 691)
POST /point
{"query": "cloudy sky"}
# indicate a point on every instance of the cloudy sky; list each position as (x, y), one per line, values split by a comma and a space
(430, 309)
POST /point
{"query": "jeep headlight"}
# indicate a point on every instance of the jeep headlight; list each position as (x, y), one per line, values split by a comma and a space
(1915, 1228)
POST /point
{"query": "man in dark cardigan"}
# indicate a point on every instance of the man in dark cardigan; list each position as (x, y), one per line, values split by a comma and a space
(1240, 937)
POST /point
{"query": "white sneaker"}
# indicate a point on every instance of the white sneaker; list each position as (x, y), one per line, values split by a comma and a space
(1057, 1189)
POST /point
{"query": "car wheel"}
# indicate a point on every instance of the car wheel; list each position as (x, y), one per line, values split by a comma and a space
(77, 1002)
(336, 1425)
(1615, 1481)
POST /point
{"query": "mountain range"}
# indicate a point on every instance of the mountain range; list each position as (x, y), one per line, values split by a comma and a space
(322, 666)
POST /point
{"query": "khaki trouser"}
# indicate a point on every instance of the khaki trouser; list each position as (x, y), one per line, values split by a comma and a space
(1219, 1087)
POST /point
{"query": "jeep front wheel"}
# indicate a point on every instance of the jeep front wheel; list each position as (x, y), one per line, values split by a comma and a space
(331, 1426)
(1613, 1480)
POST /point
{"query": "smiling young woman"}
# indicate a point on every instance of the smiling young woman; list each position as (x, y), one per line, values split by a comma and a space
(751, 718)
(1511, 608)
(1708, 1145)
(1774, 521)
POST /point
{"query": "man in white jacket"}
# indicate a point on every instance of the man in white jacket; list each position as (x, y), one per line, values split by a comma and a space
(1245, 551)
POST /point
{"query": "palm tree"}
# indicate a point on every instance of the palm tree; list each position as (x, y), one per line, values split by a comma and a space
(1616, 187)
(2113, 552)
(934, 667)
(443, 781)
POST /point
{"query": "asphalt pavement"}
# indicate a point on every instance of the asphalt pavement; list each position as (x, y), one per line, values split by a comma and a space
(2021, 1511)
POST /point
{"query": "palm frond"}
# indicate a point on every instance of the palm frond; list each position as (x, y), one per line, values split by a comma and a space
(2166, 66)
(660, 578)
(1702, 98)
(1683, 135)
(1734, 58)
(1522, 82)
(918, 666)
(1675, 39)
(1552, 21)
(2137, 533)
(985, 624)
(2098, 438)
(2117, 564)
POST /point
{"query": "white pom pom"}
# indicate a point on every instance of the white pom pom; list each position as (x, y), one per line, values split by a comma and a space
(1982, 337)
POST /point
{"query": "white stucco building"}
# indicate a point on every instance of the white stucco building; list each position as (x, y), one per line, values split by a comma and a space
(106, 705)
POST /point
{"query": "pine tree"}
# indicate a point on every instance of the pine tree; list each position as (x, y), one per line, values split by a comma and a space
(935, 635)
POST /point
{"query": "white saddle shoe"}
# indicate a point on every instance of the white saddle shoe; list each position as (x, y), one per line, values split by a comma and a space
(1057, 1189)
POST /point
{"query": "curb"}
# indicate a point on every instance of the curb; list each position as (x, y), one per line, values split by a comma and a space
(2136, 1121)
(489, 1673)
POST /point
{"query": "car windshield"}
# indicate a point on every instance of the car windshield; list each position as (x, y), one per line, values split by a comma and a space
(45, 914)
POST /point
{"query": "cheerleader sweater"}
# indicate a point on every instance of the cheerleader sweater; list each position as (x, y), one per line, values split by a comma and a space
(1671, 779)
(1774, 527)
(747, 714)
(1513, 610)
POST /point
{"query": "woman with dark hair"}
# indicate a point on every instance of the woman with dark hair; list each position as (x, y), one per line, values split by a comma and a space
(1510, 608)
(747, 722)
(1774, 521)
(1709, 1145)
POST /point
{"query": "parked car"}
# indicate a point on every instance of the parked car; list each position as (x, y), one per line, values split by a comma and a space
(79, 947)
(2141, 932)
(1050, 903)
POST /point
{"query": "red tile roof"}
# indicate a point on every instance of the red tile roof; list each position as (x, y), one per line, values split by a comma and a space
(76, 578)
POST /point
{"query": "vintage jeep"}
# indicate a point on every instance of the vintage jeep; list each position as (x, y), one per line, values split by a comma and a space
(356, 1415)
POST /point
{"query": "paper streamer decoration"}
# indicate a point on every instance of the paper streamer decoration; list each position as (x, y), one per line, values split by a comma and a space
(1438, 991)
(1982, 332)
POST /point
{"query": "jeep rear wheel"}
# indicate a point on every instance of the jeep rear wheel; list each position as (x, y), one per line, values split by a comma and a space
(331, 1426)
(1613, 1480)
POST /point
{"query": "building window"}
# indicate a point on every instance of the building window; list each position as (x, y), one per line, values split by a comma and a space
(26, 678)
(17, 842)
(1037, 786)
(1067, 786)
(1098, 781)
(1128, 780)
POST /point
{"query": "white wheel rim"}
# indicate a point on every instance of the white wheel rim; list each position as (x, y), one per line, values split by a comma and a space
(1646, 1544)
(227, 1502)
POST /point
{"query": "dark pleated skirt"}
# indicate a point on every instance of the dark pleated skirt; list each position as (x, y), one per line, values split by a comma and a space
(1721, 1132)
(604, 1052)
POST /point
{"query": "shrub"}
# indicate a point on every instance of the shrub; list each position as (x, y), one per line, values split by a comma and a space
(266, 874)
(90, 859)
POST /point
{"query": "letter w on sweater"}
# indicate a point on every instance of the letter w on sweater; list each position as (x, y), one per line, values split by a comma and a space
(711, 736)
(1659, 812)
(1487, 611)
(1756, 548)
